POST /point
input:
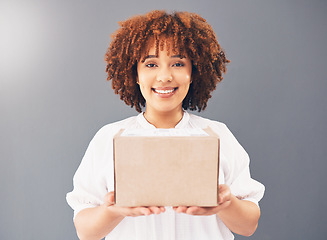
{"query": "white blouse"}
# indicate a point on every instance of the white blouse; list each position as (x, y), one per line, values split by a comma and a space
(95, 178)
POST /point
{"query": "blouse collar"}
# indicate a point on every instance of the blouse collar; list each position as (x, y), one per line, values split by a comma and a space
(145, 124)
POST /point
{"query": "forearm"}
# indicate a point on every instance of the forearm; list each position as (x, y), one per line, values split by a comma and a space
(96, 223)
(240, 216)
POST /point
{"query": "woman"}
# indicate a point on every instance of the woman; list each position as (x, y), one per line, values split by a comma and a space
(167, 63)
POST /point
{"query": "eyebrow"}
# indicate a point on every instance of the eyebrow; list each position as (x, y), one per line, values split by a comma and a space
(154, 56)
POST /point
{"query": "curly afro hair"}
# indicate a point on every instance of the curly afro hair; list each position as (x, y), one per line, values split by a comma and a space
(188, 34)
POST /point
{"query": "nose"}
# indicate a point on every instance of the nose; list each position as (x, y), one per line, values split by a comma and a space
(164, 75)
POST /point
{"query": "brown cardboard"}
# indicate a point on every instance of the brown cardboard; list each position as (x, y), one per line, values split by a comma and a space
(166, 171)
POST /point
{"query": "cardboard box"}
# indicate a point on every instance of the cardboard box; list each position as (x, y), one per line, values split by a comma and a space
(164, 167)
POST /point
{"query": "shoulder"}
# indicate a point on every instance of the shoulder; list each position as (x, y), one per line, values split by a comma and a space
(125, 123)
(225, 135)
(108, 131)
(201, 122)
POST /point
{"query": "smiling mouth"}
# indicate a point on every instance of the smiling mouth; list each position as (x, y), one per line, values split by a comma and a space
(164, 91)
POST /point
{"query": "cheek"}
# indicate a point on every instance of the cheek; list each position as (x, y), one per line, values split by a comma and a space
(185, 78)
(188, 78)
(143, 83)
(141, 87)
(143, 78)
(144, 87)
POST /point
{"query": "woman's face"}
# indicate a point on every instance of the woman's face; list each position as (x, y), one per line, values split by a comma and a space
(164, 80)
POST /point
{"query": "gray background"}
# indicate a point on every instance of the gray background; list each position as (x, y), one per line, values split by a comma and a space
(54, 97)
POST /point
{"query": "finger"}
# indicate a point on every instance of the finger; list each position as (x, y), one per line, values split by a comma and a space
(109, 198)
(145, 211)
(193, 210)
(155, 210)
(223, 197)
(204, 211)
(162, 209)
(181, 209)
(137, 211)
(112, 197)
(224, 193)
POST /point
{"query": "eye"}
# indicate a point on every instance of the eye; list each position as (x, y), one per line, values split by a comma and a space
(150, 65)
(178, 64)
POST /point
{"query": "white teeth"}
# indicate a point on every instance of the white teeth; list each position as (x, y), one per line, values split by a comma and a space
(164, 91)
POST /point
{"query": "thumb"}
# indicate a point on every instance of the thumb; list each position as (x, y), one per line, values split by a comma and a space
(224, 193)
(109, 199)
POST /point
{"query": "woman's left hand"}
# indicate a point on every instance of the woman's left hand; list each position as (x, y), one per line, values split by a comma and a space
(224, 200)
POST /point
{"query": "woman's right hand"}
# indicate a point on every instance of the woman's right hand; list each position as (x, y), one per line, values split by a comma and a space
(109, 202)
(98, 222)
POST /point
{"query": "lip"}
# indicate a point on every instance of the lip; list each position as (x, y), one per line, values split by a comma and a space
(164, 92)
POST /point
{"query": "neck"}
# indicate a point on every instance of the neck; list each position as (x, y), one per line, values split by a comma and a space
(164, 119)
